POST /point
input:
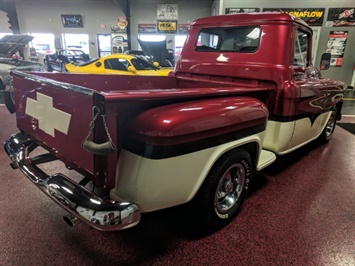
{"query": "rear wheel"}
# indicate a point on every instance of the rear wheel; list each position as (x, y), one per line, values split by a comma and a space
(224, 190)
(327, 132)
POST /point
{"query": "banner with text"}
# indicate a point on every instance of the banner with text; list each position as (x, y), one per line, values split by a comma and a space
(312, 16)
(235, 10)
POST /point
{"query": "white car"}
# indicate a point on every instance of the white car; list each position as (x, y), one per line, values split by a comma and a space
(10, 45)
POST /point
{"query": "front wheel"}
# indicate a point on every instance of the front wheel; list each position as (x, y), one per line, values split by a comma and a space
(327, 132)
(8, 94)
(48, 66)
(63, 69)
(224, 190)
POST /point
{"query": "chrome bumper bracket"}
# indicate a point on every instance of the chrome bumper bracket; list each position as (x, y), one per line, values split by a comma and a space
(98, 212)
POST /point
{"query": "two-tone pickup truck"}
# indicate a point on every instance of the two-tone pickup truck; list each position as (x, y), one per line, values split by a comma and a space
(243, 92)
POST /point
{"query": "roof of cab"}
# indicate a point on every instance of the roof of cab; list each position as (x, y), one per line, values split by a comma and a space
(247, 18)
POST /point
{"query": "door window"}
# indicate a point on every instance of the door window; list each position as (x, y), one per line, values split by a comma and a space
(116, 64)
(301, 49)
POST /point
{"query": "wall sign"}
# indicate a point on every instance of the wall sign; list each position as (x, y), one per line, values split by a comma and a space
(147, 28)
(312, 16)
(72, 21)
(341, 17)
(184, 28)
(167, 26)
(336, 47)
(235, 10)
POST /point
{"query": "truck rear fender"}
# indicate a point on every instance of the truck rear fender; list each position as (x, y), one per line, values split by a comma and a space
(208, 122)
(176, 132)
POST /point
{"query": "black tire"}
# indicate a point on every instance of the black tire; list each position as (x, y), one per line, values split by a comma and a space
(48, 66)
(8, 97)
(328, 131)
(63, 68)
(223, 192)
(9, 101)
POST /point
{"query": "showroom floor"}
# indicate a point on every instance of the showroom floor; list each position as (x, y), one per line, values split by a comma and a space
(300, 211)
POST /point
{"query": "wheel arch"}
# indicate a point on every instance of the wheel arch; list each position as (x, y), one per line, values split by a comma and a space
(251, 145)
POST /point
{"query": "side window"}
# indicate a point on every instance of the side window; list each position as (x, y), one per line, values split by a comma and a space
(115, 64)
(301, 49)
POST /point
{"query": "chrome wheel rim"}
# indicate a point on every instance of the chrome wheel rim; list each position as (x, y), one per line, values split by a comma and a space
(230, 188)
(330, 125)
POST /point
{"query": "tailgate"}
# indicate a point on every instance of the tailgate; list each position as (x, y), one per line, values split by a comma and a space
(56, 114)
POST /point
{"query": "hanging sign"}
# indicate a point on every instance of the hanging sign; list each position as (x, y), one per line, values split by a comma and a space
(336, 47)
(235, 10)
(341, 17)
(167, 26)
(312, 16)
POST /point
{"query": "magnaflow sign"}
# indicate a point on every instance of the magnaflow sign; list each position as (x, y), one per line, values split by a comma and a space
(312, 16)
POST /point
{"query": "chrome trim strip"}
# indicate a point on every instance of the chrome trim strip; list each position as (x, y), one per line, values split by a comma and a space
(99, 213)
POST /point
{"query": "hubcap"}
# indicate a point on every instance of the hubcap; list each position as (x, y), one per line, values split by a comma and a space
(330, 125)
(230, 188)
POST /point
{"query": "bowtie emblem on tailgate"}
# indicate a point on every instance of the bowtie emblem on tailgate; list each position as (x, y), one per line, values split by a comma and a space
(49, 118)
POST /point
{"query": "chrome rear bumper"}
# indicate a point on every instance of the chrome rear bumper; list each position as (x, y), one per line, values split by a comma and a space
(100, 213)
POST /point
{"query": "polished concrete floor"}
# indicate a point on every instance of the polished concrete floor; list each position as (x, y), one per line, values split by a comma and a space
(349, 103)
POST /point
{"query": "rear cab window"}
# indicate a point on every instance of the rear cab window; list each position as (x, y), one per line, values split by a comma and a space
(235, 39)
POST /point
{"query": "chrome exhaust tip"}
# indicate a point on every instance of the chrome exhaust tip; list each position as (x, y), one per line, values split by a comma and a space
(71, 220)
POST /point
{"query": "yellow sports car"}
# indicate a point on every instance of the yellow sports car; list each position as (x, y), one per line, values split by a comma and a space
(123, 64)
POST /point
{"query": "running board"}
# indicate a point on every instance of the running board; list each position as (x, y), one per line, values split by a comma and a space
(266, 158)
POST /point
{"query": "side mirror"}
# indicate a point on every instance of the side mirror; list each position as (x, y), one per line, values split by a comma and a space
(325, 61)
(156, 64)
(132, 69)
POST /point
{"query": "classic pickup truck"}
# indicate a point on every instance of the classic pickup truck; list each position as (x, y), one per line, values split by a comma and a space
(243, 92)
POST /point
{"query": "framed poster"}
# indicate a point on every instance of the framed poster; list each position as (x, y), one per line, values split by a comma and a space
(336, 47)
(167, 11)
(341, 17)
(72, 21)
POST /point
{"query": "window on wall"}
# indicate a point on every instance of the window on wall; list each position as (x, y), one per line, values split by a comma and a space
(179, 43)
(76, 42)
(43, 43)
(301, 49)
(4, 34)
(151, 38)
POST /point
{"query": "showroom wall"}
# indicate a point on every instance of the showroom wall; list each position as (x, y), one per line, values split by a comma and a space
(344, 72)
(44, 16)
(145, 12)
(98, 15)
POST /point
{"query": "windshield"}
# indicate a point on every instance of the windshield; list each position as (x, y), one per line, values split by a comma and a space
(141, 64)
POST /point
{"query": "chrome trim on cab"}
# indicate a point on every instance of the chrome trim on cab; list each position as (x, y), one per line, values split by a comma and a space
(100, 213)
